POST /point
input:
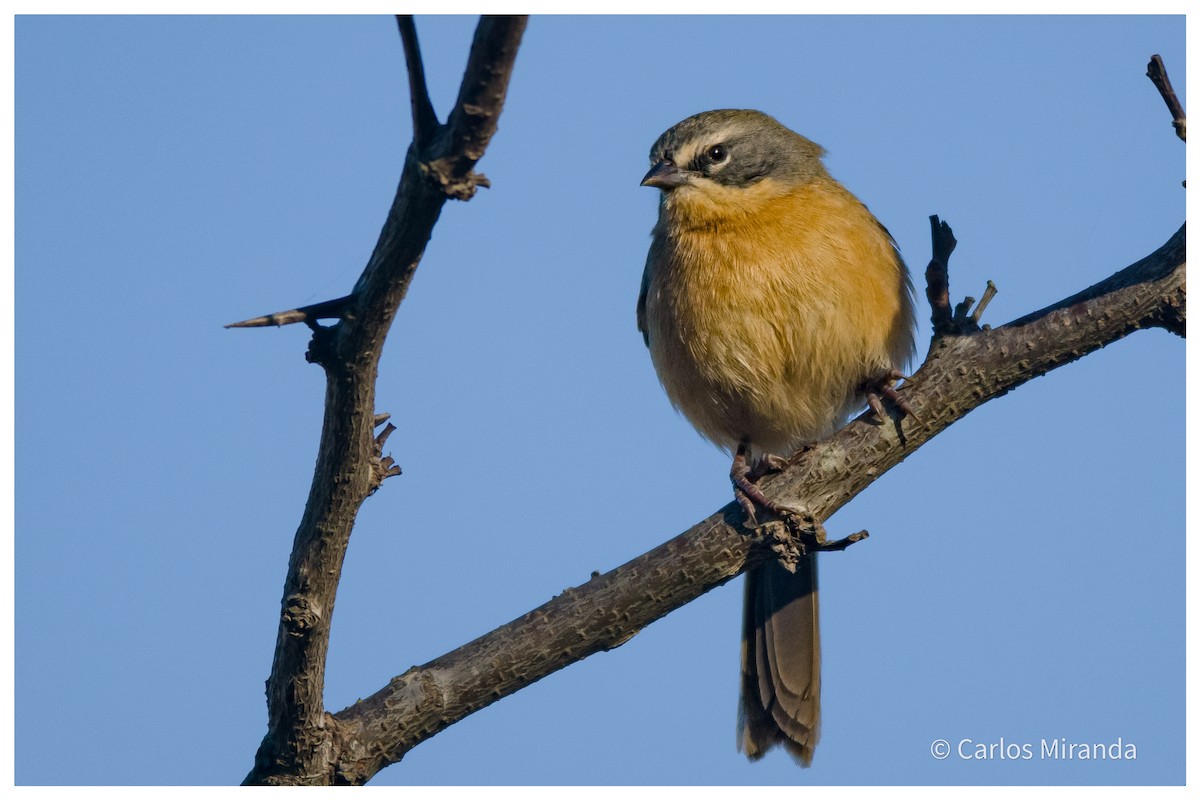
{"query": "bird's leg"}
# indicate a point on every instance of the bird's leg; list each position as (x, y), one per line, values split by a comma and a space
(745, 484)
(766, 465)
(795, 532)
(883, 386)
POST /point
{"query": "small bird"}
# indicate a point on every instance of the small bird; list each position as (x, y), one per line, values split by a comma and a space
(774, 305)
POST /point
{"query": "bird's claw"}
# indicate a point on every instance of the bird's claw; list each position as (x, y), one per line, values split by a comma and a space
(745, 485)
(884, 386)
(794, 532)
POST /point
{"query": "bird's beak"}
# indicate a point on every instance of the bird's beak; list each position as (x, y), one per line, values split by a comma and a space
(665, 175)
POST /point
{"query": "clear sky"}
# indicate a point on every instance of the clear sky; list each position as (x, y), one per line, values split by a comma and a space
(1025, 575)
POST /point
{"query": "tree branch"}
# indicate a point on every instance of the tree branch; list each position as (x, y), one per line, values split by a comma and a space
(1156, 71)
(326, 309)
(937, 277)
(440, 166)
(424, 119)
(301, 744)
(961, 373)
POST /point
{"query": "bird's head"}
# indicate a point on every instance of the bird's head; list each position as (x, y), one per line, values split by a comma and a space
(730, 158)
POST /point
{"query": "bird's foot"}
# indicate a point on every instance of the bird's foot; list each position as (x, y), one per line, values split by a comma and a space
(793, 532)
(884, 387)
(745, 477)
(766, 465)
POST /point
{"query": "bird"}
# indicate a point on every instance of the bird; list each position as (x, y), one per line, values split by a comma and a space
(774, 305)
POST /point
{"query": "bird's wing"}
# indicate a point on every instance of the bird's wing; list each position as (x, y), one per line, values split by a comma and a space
(641, 303)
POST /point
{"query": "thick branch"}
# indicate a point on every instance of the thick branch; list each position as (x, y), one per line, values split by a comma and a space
(301, 742)
(961, 373)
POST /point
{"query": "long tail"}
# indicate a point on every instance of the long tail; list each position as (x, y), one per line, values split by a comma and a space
(781, 662)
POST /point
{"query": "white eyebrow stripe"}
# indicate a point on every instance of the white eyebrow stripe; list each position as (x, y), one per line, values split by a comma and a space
(692, 147)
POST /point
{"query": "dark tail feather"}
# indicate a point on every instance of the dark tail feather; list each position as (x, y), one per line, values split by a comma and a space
(781, 662)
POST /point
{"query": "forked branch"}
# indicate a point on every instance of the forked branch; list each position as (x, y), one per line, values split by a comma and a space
(302, 744)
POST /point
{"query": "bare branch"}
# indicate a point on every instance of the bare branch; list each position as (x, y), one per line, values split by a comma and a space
(477, 110)
(328, 309)
(1156, 71)
(439, 166)
(441, 170)
(967, 371)
(424, 119)
(984, 301)
(301, 744)
(937, 276)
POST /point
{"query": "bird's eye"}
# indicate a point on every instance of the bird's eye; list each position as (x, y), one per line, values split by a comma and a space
(717, 153)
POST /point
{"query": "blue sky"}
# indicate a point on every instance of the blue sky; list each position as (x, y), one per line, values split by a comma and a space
(1025, 575)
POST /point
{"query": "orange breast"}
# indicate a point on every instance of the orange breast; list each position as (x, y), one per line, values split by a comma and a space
(768, 307)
